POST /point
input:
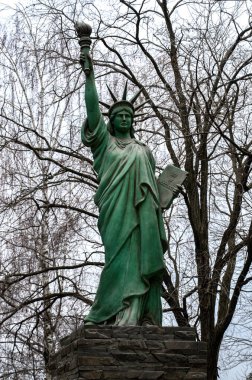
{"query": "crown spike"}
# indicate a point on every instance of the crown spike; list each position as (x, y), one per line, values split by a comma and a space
(104, 104)
(111, 94)
(140, 114)
(132, 100)
(124, 97)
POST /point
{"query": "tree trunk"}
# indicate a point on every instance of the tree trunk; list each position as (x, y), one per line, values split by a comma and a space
(213, 349)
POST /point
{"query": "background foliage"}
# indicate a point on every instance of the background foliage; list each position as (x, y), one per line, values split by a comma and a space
(193, 61)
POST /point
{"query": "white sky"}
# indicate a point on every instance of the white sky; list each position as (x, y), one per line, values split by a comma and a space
(7, 7)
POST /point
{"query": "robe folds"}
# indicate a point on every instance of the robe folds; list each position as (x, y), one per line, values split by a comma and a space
(131, 226)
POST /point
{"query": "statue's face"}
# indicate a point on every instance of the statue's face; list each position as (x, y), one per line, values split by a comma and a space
(122, 123)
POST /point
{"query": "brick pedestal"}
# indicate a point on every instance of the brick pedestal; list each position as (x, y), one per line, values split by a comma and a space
(120, 353)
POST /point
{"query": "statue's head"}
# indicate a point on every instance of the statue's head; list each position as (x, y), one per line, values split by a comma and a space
(121, 116)
(122, 109)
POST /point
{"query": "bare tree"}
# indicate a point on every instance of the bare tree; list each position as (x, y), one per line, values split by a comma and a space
(49, 245)
(193, 62)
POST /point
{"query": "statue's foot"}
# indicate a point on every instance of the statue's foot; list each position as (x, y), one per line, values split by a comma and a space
(88, 323)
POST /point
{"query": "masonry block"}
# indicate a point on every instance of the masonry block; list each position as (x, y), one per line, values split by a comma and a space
(122, 353)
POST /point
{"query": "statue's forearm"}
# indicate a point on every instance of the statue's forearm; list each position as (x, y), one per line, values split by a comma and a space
(91, 97)
(92, 101)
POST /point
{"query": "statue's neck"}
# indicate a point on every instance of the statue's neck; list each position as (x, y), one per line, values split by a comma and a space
(121, 135)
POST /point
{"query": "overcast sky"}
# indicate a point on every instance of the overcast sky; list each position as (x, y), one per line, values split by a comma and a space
(7, 7)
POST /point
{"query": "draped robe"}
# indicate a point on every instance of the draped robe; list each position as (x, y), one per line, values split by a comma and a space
(130, 224)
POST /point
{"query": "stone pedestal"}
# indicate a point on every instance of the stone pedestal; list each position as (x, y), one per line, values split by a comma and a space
(120, 353)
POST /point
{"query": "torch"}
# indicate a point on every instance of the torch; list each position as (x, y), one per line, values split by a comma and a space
(84, 31)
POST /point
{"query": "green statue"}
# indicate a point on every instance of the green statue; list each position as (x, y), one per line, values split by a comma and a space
(130, 220)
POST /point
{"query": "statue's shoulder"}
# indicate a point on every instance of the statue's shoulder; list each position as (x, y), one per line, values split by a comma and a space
(141, 143)
(144, 146)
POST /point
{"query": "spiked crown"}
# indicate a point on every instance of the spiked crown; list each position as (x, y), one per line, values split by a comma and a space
(123, 103)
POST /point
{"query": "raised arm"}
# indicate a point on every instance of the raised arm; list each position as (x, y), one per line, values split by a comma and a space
(91, 95)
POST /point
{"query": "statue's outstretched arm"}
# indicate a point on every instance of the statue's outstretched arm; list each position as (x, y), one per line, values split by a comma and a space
(91, 95)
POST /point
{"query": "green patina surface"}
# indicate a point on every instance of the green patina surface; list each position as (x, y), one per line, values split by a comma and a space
(130, 220)
(130, 224)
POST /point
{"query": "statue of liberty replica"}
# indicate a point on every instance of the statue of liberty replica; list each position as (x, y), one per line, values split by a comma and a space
(130, 202)
(130, 220)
